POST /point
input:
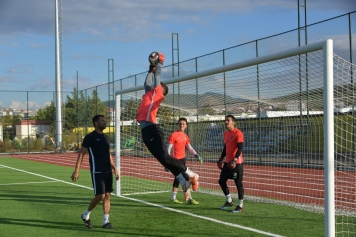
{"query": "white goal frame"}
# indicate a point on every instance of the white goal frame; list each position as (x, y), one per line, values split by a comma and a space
(328, 101)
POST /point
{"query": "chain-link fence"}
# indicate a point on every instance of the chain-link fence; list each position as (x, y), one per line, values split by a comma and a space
(26, 126)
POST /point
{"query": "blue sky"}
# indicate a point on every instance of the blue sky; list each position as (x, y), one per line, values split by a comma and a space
(127, 31)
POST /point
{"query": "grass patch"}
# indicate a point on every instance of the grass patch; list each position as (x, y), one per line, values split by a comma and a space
(33, 205)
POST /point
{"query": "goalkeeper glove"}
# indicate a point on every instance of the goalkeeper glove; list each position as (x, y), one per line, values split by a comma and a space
(200, 159)
(231, 165)
(161, 58)
(152, 68)
(220, 163)
(166, 169)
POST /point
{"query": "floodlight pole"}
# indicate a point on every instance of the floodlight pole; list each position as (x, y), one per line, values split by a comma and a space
(58, 136)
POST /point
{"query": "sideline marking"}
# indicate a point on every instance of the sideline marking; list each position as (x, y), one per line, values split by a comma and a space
(28, 183)
(145, 193)
(156, 205)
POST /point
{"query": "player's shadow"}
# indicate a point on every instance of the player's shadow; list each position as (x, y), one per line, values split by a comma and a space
(43, 223)
(65, 226)
(43, 199)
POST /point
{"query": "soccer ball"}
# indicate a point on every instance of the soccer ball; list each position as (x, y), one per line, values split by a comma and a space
(153, 58)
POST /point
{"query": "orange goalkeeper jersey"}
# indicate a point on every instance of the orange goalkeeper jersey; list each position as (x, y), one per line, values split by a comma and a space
(231, 138)
(179, 140)
(147, 111)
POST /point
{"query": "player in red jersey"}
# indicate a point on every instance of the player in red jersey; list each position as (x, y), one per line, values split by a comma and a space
(179, 141)
(152, 134)
(234, 163)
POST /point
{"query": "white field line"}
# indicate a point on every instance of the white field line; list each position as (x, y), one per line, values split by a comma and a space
(147, 193)
(156, 205)
(39, 175)
(28, 183)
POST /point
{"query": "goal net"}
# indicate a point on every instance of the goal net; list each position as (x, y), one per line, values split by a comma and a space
(281, 104)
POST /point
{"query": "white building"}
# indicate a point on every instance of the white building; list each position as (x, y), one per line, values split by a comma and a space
(30, 128)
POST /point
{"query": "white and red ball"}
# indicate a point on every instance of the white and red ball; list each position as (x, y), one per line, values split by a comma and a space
(153, 58)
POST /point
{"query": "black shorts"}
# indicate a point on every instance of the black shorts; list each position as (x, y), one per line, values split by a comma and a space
(182, 161)
(153, 138)
(234, 174)
(102, 183)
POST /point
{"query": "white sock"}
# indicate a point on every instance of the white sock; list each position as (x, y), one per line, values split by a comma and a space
(174, 195)
(106, 219)
(181, 179)
(189, 173)
(86, 215)
(228, 198)
(241, 203)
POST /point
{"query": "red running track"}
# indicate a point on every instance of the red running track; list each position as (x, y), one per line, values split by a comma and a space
(283, 183)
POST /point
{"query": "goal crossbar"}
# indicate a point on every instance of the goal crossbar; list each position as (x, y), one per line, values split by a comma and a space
(238, 65)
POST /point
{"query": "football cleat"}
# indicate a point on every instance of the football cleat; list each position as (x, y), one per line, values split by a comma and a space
(191, 201)
(108, 226)
(238, 209)
(175, 201)
(87, 223)
(227, 205)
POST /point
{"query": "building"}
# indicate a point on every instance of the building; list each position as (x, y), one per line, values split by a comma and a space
(6, 111)
(30, 128)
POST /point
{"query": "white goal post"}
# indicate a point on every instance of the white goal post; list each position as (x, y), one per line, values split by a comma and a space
(129, 150)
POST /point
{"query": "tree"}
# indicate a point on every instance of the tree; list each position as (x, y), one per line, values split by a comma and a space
(79, 110)
(71, 110)
(16, 118)
(165, 114)
(130, 109)
(95, 105)
(6, 120)
(46, 114)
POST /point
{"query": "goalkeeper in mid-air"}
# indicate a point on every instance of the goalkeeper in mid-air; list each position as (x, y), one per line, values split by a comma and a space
(152, 134)
(233, 168)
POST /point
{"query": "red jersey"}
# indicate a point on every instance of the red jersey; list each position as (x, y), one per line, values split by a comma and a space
(231, 138)
(147, 111)
(179, 140)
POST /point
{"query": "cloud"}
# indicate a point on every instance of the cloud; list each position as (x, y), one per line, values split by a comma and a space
(38, 46)
(131, 20)
(7, 79)
(90, 57)
(19, 69)
(44, 83)
(17, 105)
(84, 82)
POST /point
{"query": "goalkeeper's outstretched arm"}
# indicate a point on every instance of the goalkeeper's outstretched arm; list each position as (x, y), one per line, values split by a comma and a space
(153, 78)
